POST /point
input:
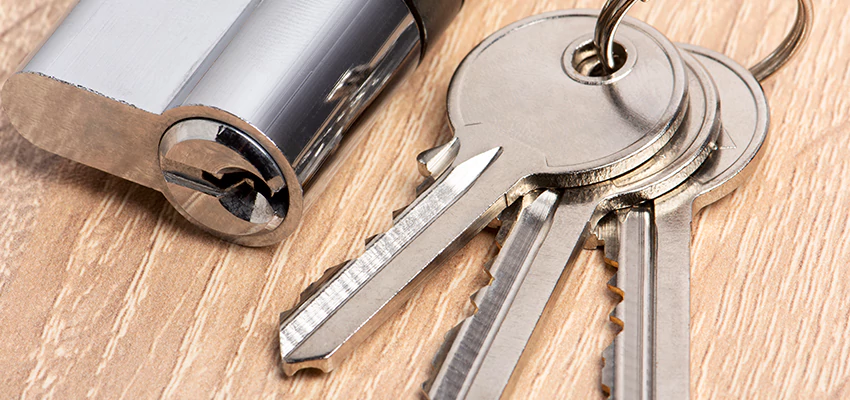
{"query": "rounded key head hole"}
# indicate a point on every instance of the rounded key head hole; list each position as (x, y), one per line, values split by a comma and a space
(581, 61)
(587, 62)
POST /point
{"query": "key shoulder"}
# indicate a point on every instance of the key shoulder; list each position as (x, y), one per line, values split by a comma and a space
(746, 121)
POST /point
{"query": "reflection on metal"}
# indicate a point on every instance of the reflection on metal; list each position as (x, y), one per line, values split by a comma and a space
(455, 373)
(310, 336)
(278, 72)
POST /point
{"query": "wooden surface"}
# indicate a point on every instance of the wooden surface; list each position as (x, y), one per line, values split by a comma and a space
(106, 292)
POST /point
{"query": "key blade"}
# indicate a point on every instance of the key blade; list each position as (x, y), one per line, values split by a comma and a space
(458, 368)
(608, 237)
(629, 360)
(364, 292)
(673, 298)
(514, 332)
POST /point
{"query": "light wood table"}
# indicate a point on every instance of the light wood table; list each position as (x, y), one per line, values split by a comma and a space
(106, 292)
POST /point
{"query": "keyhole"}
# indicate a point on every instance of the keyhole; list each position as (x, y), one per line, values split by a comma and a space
(240, 192)
(224, 180)
(248, 197)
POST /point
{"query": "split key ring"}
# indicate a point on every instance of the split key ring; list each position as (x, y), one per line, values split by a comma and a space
(614, 11)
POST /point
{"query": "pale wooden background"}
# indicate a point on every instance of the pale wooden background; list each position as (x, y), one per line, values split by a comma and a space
(106, 292)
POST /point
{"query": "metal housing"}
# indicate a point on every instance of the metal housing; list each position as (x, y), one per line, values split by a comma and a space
(293, 75)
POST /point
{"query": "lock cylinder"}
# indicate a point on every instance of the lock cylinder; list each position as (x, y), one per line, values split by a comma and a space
(228, 107)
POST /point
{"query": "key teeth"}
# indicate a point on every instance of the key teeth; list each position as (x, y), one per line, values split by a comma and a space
(398, 212)
(372, 238)
(322, 365)
(610, 257)
(313, 288)
(420, 188)
(327, 275)
(502, 234)
(608, 367)
(448, 341)
(614, 289)
(450, 336)
(608, 370)
(440, 356)
(593, 242)
(487, 266)
(616, 321)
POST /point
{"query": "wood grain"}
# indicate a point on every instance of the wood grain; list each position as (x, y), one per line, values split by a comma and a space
(106, 292)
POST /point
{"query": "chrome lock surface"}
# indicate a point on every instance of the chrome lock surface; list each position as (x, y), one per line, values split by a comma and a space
(228, 107)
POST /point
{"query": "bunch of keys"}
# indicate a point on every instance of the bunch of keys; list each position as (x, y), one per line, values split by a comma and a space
(579, 128)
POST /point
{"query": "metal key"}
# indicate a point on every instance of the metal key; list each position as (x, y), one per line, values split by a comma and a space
(650, 357)
(485, 351)
(526, 115)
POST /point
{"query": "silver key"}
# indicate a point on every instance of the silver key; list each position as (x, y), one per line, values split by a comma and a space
(485, 350)
(650, 358)
(628, 372)
(459, 360)
(521, 123)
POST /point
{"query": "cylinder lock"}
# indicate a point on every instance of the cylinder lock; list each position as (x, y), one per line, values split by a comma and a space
(228, 107)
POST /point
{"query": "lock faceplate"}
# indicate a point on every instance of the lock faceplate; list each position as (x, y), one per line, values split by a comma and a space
(222, 179)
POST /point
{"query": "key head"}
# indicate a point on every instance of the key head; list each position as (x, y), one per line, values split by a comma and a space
(746, 120)
(525, 89)
(680, 158)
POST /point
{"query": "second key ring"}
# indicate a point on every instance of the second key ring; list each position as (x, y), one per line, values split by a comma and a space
(614, 11)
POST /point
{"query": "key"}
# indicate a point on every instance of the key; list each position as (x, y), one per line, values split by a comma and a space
(485, 351)
(629, 247)
(637, 223)
(650, 357)
(458, 360)
(521, 123)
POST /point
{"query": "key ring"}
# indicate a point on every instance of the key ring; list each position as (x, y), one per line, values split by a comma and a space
(789, 46)
(606, 27)
(614, 11)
